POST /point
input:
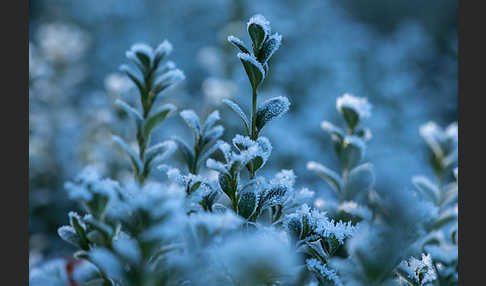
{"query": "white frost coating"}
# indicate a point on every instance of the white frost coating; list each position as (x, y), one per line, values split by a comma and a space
(271, 45)
(359, 104)
(216, 165)
(329, 228)
(353, 208)
(89, 182)
(191, 119)
(265, 148)
(274, 108)
(214, 223)
(108, 262)
(252, 60)
(225, 149)
(164, 48)
(171, 77)
(212, 118)
(330, 274)
(143, 49)
(284, 178)
(259, 20)
(414, 266)
(320, 224)
(436, 137)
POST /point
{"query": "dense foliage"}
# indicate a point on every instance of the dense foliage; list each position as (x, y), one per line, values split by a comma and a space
(221, 219)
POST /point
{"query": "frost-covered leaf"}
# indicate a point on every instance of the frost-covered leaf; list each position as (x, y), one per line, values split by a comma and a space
(254, 69)
(107, 262)
(427, 189)
(158, 117)
(212, 118)
(352, 152)
(67, 233)
(259, 28)
(130, 110)
(159, 152)
(337, 134)
(353, 109)
(269, 47)
(236, 108)
(217, 166)
(239, 44)
(134, 76)
(192, 120)
(168, 79)
(136, 163)
(186, 151)
(247, 204)
(360, 180)
(271, 109)
(326, 275)
(144, 54)
(128, 249)
(331, 177)
(163, 50)
(418, 272)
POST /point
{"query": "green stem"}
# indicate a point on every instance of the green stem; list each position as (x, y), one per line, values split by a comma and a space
(253, 115)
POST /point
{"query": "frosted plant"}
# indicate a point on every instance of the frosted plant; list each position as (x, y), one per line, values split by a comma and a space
(318, 239)
(355, 180)
(417, 272)
(151, 78)
(255, 61)
(244, 227)
(441, 240)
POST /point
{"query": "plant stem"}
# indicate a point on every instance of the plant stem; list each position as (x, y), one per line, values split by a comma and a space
(253, 114)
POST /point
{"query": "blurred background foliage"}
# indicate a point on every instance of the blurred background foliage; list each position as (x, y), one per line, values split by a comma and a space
(401, 55)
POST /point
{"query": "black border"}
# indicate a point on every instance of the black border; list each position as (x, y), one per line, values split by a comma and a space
(15, 140)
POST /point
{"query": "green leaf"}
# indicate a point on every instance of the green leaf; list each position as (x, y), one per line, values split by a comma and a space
(331, 177)
(360, 180)
(164, 49)
(130, 110)
(136, 163)
(269, 47)
(253, 69)
(186, 151)
(238, 43)
(102, 227)
(294, 227)
(192, 121)
(159, 152)
(226, 185)
(157, 118)
(134, 77)
(236, 108)
(79, 227)
(258, 28)
(352, 151)
(427, 189)
(68, 234)
(276, 195)
(271, 109)
(247, 204)
(351, 116)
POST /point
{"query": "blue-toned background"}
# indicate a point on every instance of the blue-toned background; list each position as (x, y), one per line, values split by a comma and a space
(401, 55)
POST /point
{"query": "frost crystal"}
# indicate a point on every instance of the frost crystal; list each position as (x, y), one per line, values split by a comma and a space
(330, 274)
(259, 20)
(421, 271)
(359, 104)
